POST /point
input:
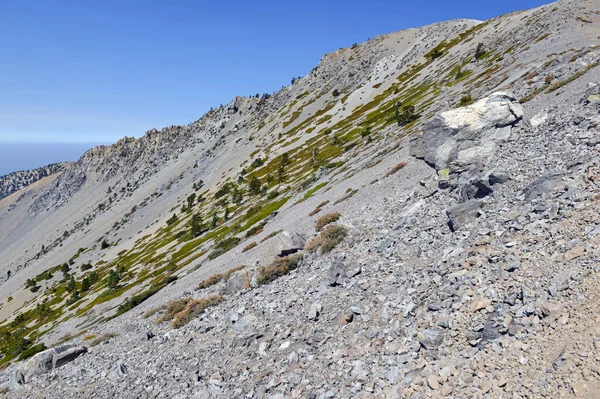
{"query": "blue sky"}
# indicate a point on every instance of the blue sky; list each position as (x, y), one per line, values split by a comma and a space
(95, 71)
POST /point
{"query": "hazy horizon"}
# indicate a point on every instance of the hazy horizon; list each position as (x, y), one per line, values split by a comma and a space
(21, 156)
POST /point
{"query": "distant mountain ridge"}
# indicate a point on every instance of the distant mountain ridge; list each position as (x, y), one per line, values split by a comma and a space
(15, 181)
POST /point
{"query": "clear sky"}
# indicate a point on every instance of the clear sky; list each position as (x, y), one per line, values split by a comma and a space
(95, 71)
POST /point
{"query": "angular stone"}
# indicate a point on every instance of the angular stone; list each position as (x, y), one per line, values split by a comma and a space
(480, 303)
(315, 311)
(433, 382)
(542, 185)
(463, 214)
(574, 253)
(550, 309)
(431, 338)
(498, 177)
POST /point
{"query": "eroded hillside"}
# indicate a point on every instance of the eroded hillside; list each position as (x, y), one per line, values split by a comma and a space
(433, 263)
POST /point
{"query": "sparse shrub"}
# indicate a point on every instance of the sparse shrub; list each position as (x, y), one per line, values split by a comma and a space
(17, 345)
(102, 338)
(171, 309)
(47, 275)
(224, 246)
(27, 353)
(64, 268)
(212, 280)
(75, 296)
(395, 169)
(465, 100)
(327, 219)
(318, 208)
(104, 244)
(349, 194)
(436, 53)
(172, 220)
(460, 73)
(249, 246)
(278, 268)
(327, 239)
(273, 234)
(137, 299)
(85, 267)
(255, 230)
(193, 309)
(405, 116)
(336, 93)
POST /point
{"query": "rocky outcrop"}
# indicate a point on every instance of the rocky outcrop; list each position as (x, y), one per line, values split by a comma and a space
(47, 361)
(460, 143)
(16, 181)
(469, 135)
(288, 242)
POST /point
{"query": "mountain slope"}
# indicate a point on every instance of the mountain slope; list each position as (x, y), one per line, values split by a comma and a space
(169, 210)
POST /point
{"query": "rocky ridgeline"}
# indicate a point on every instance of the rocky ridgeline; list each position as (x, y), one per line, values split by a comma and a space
(15, 181)
(130, 162)
(427, 297)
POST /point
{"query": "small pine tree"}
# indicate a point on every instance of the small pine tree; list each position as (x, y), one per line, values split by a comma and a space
(480, 51)
(215, 221)
(280, 174)
(85, 284)
(196, 225)
(112, 280)
(190, 200)
(255, 186)
(172, 220)
(71, 284)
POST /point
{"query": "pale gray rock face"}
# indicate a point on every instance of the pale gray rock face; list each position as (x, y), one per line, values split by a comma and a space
(468, 135)
(288, 242)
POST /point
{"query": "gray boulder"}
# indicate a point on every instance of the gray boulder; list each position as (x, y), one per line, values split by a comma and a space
(288, 242)
(236, 281)
(463, 214)
(46, 361)
(431, 338)
(543, 185)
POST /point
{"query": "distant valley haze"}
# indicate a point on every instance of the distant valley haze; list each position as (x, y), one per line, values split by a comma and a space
(26, 156)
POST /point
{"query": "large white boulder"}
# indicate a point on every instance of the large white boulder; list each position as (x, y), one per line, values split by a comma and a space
(469, 134)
